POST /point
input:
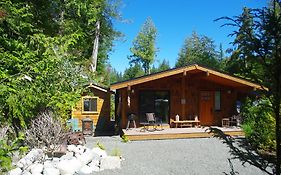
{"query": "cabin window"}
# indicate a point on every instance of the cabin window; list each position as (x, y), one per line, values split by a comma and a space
(89, 104)
(217, 100)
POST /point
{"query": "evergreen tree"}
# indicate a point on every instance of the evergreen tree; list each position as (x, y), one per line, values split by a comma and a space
(258, 51)
(198, 50)
(144, 49)
(133, 72)
(164, 65)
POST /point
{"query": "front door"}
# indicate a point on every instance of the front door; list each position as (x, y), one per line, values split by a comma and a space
(206, 108)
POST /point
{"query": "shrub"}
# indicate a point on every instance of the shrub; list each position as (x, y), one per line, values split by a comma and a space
(8, 146)
(46, 131)
(100, 145)
(116, 152)
(258, 123)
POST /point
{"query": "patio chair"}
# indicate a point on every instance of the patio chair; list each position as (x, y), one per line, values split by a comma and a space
(235, 120)
(151, 120)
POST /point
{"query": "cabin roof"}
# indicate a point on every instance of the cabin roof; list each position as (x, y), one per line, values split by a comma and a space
(98, 87)
(221, 76)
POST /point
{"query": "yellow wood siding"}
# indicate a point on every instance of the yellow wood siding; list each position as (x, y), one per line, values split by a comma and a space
(103, 110)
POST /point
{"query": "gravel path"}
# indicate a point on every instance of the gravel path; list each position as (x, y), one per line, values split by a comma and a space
(179, 156)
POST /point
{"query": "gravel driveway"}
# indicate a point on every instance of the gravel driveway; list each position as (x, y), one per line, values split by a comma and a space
(177, 156)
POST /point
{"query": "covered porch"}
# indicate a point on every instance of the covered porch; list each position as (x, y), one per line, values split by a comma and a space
(195, 94)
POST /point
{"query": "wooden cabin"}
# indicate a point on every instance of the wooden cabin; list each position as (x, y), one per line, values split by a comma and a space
(94, 105)
(187, 91)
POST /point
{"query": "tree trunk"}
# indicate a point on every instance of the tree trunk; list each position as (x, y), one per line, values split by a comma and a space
(278, 140)
(93, 59)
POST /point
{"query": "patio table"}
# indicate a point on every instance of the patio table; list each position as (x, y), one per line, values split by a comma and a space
(186, 123)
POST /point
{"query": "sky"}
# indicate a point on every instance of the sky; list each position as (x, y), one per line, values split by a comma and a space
(175, 20)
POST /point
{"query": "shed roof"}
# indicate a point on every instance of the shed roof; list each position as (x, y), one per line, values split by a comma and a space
(220, 76)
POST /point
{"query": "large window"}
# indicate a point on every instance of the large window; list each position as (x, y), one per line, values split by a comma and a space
(89, 104)
(156, 102)
(217, 100)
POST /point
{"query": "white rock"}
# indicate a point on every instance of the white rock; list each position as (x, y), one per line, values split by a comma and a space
(94, 165)
(19, 164)
(68, 155)
(110, 162)
(87, 157)
(80, 149)
(26, 173)
(85, 170)
(48, 164)
(69, 166)
(71, 148)
(51, 171)
(32, 156)
(16, 171)
(65, 168)
(99, 152)
(37, 168)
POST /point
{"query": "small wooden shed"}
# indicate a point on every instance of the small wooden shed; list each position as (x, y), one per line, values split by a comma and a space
(188, 91)
(94, 106)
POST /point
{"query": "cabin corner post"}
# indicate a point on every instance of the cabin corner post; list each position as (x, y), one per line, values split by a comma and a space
(183, 95)
(124, 106)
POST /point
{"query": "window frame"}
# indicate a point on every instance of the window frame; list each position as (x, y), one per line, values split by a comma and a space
(89, 112)
(215, 105)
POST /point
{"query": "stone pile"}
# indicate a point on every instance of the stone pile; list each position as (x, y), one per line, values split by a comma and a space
(77, 160)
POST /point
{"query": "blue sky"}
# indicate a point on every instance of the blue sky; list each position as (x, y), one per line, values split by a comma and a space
(175, 20)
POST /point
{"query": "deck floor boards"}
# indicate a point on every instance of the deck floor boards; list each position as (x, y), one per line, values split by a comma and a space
(178, 133)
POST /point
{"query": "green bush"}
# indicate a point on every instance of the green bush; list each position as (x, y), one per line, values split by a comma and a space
(258, 123)
(7, 148)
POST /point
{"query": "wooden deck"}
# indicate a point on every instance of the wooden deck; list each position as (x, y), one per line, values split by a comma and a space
(178, 133)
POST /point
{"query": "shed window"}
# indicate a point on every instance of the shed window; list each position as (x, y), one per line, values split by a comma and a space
(90, 104)
(217, 100)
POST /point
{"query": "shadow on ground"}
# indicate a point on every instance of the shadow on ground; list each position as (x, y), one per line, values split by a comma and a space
(241, 150)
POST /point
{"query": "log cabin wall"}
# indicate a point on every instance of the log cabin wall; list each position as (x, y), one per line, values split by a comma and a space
(184, 90)
(101, 118)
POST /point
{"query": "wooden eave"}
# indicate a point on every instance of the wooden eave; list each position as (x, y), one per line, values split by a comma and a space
(183, 70)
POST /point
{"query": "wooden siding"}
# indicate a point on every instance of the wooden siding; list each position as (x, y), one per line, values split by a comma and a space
(184, 92)
(101, 118)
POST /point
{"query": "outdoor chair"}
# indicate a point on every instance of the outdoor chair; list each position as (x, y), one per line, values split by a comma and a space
(235, 120)
(151, 120)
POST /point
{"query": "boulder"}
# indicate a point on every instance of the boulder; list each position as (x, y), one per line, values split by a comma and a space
(37, 168)
(69, 166)
(99, 152)
(68, 155)
(71, 148)
(16, 171)
(110, 162)
(87, 156)
(65, 168)
(32, 156)
(48, 164)
(85, 170)
(51, 171)
(95, 166)
(26, 173)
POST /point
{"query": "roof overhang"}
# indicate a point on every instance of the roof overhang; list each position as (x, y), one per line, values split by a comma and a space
(100, 88)
(185, 70)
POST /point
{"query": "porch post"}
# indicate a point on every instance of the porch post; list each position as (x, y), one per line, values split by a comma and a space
(124, 107)
(183, 98)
